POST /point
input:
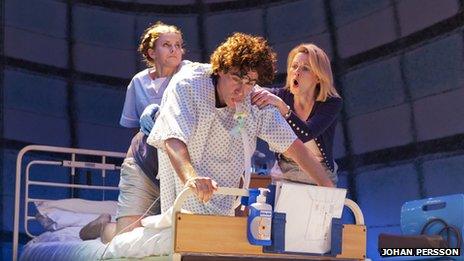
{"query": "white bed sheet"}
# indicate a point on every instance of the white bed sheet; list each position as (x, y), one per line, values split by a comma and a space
(140, 242)
(65, 234)
(68, 250)
(63, 244)
(152, 240)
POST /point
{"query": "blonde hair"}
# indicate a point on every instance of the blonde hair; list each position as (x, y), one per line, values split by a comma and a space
(320, 65)
(149, 37)
(245, 53)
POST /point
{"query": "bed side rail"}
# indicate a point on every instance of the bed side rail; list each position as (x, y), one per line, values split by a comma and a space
(184, 194)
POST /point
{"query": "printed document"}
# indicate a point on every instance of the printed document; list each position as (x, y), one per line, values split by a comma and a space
(309, 212)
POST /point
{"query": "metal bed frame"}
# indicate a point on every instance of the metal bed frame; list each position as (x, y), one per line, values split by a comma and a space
(71, 163)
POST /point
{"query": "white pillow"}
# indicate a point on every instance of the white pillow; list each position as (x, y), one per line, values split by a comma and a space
(57, 214)
(79, 206)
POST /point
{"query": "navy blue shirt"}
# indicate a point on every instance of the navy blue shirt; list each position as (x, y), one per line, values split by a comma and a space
(319, 126)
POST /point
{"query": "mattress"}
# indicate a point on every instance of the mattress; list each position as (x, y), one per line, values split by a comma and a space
(65, 244)
(59, 250)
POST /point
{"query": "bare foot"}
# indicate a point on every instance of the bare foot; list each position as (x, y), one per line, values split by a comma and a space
(94, 229)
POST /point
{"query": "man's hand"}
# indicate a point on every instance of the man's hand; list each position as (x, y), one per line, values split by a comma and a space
(203, 187)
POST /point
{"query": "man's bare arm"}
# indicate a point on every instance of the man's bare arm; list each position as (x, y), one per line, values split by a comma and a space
(180, 160)
(306, 160)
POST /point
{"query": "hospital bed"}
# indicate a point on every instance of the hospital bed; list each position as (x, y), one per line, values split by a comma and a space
(225, 238)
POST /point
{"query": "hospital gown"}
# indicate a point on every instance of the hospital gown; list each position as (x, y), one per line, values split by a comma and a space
(188, 113)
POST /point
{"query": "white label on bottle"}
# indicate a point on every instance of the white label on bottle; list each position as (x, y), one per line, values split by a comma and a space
(261, 225)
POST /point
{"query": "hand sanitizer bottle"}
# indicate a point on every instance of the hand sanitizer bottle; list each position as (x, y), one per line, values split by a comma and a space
(259, 221)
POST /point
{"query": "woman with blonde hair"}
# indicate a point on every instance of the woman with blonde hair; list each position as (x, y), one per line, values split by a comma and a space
(161, 48)
(310, 104)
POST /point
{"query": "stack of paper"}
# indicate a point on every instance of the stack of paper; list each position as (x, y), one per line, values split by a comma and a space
(309, 212)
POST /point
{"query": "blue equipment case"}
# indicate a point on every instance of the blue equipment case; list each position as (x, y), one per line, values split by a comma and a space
(415, 214)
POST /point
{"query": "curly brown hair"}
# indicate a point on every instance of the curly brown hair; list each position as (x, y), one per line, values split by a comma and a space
(245, 53)
(149, 37)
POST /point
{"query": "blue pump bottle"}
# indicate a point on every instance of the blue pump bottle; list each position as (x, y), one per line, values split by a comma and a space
(260, 221)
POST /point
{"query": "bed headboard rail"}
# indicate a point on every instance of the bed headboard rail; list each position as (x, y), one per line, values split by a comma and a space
(71, 154)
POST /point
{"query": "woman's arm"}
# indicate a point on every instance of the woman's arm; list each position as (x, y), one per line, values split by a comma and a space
(324, 115)
(262, 97)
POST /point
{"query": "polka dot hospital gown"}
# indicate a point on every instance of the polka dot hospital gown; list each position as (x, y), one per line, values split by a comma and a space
(188, 113)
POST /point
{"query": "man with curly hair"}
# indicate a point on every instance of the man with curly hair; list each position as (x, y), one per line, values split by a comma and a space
(207, 127)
